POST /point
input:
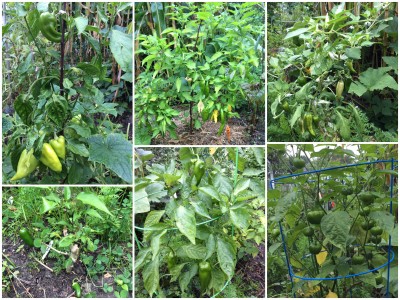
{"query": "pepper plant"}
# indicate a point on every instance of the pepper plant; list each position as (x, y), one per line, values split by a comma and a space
(336, 222)
(85, 227)
(192, 222)
(61, 119)
(206, 61)
(335, 79)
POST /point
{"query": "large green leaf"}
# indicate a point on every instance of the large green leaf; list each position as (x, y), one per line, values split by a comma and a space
(226, 256)
(93, 200)
(336, 226)
(121, 48)
(115, 152)
(186, 223)
(151, 276)
(152, 218)
(47, 205)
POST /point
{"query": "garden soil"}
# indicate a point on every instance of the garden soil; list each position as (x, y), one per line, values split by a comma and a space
(242, 132)
(32, 280)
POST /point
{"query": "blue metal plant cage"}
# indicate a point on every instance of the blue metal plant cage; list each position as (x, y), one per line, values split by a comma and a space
(390, 252)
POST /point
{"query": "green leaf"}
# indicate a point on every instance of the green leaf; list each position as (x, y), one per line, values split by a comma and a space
(226, 257)
(178, 84)
(259, 154)
(151, 276)
(152, 218)
(210, 191)
(195, 251)
(353, 53)
(336, 227)
(186, 277)
(215, 56)
(251, 172)
(295, 33)
(242, 185)
(240, 217)
(373, 79)
(67, 193)
(33, 21)
(79, 173)
(357, 88)
(284, 206)
(93, 200)
(23, 108)
(155, 244)
(56, 110)
(142, 203)
(121, 47)
(141, 257)
(200, 208)
(47, 205)
(344, 126)
(297, 114)
(391, 62)
(223, 184)
(77, 147)
(81, 24)
(115, 152)
(94, 213)
(89, 69)
(186, 223)
(67, 241)
(203, 15)
(177, 271)
(210, 246)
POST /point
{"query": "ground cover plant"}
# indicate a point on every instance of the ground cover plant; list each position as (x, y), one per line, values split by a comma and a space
(67, 242)
(336, 223)
(199, 73)
(332, 76)
(67, 92)
(199, 222)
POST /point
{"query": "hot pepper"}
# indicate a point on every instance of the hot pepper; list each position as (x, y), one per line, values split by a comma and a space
(339, 89)
(59, 146)
(308, 120)
(26, 236)
(47, 25)
(349, 64)
(50, 158)
(204, 275)
(77, 289)
(27, 163)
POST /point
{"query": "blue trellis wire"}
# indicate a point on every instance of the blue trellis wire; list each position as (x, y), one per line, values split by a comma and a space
(391, 254)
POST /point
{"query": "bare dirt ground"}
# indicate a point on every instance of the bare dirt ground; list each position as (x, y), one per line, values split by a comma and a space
(242, 133)
(253, 270)
(32, 280)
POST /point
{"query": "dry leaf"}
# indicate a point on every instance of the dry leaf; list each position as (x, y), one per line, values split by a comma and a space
(321, 257)
(200, 106)
(331, 295)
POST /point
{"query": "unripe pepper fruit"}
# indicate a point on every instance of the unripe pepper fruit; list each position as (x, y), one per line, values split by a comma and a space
(27, 163)
(50, 158)
(26, 236)
(204, 275)
(47, 25)
(59, 146)
(77, 289)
